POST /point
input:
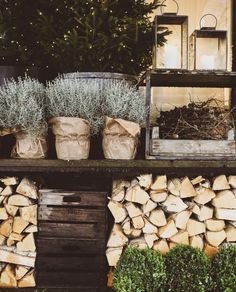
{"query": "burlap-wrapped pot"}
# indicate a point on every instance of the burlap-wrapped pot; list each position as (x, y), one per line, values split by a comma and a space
(120, 139)
(30, 147)
(72, 137)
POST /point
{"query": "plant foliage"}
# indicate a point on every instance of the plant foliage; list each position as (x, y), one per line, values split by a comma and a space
(188, 270)
(224, 269)
(22, 105)
(139, 271)
(124, 101)
(69, 97)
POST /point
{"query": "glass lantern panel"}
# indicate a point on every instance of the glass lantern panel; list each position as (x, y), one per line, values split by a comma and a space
(169, 56)
(211, 54)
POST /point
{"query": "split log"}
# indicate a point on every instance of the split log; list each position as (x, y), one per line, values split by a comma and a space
(160, 183)
(187, 190)
(195, 209)
(139, 243)
(27, 281)
(195, 227)
(133, 210)
(113, 255)
(31, 229)
(150, 239)
(230, 233)
(1, 199)
(138, 222)
(145, 180)
(206, 184)
(27, 188)
(205, 213)
(197, 180)
(16, 237)
(136, 194)
(149, 227)
(220, 183)
(158, 218)
(7, 191)
(29, 214)
(174, 186)
(204, 196)
(2, 239)
(3, 214)
(168, 230)
(181, 219)
(211, 250)
(9, 255)
(197, 241)
(11, 210)
(225, 214)
(225, 199)
(232, 181)
(158, 196)
(161, 246)
(6, 227)
(7, 278)
(27, 244)
(9, 181)
(117, 237)
(118, 190)
(149, 207)
(19, 224)
(215, 225)
(118, 211)
(174, 204)
(19, 200)
(215, 238)
(21, 271)
(10, 242)
(181, 237)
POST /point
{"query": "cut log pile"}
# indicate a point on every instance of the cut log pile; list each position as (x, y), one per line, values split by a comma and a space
(18, 224)
(161, 213)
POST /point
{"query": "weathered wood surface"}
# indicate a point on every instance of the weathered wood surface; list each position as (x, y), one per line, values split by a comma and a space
(89, 263)
(70, 230)
(69, 246)
(72, 198)
(110, 167)
(200, 148)
(70, 279)
(71, 214)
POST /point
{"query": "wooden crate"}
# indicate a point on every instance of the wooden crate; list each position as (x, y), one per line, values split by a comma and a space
(71, 240)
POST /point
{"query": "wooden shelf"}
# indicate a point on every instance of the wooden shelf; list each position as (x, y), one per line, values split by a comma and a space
(174, 78)
(116, 166)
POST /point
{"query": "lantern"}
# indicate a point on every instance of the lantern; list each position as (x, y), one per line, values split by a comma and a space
(174, 53)
(208, 47)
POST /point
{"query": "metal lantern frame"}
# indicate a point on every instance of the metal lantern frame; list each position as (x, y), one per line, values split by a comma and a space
(207, 32)
(172, 19)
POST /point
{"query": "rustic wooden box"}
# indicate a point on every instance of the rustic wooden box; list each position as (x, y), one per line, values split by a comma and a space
(72, 239)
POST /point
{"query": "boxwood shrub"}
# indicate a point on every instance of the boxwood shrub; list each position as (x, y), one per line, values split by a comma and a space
(140, 271)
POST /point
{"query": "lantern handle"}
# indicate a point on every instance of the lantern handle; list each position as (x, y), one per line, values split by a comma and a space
(177, 6)
(208, 14)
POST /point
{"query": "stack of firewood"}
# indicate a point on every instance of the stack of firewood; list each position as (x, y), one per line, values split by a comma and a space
(162, 213)
(18, 223)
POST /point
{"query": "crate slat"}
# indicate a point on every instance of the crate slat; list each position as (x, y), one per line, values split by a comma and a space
(69, 246)
(47, 213)
(72, 198)
(86, 230)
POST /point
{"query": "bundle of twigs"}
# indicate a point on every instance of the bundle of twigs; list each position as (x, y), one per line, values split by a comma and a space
(207, 120)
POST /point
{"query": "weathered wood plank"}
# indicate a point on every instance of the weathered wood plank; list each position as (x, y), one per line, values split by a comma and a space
(193, 148)
(69, 198)
(74, 263)
(69, 230)
(69, 246)
(71, 214)
(70, 279)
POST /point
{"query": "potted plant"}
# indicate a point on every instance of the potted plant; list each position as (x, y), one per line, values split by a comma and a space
(22, 112)
(125, 111)
(73, 111)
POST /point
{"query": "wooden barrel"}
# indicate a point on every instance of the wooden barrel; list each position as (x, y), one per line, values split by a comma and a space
(104, 79)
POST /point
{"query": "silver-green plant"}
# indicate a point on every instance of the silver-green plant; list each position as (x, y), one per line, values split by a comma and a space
(124, 101)
(22, 105)
(71, 97)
